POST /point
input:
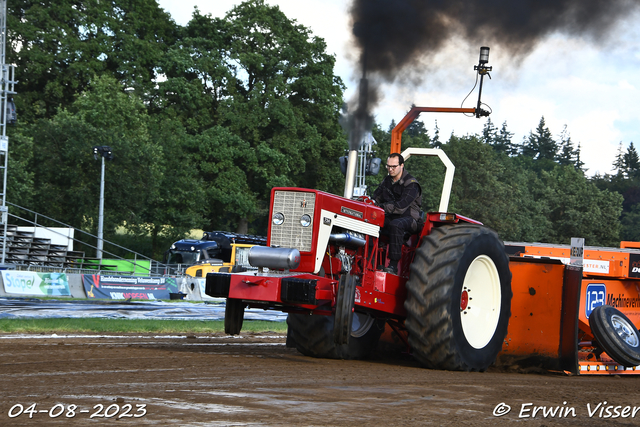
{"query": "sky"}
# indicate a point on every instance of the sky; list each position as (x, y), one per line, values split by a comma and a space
(591, 89)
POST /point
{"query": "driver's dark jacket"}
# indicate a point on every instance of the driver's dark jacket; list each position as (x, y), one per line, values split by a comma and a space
(400, 198)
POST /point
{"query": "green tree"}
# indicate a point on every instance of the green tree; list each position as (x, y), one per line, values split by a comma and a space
(282, 99)
(489, 132)
(629, 188)
(484, 188)
(526, 218)
(178, 207)
(579, 164)
(567, 155)
(631, 162)
(66, 185)
(503, 141)
(630, 231)
(541, 145)
(196, 71)
(500, 140)
(58, 47)
(418, 134)
(579, 209)
(224, 162)
(436, 137)
(20, 174)
(618, 164)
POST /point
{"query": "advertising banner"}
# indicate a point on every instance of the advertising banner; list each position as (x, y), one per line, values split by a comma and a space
(128, 287)
(32, 283)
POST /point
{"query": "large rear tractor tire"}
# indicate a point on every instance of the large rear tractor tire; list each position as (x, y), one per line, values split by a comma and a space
(459, 298)
(313, 335)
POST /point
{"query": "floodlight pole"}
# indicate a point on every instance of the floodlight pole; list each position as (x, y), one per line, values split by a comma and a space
(7, 87)
(105, 154)
(101, 212)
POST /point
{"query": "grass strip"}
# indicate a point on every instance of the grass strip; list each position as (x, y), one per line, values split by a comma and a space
(94, 324)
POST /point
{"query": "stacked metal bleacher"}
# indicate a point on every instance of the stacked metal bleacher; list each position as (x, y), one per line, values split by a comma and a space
(23, 248)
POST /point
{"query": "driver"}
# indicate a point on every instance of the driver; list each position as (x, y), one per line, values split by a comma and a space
(400, 195)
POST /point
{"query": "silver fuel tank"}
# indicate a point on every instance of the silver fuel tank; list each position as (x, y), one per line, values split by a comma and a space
(274, 258)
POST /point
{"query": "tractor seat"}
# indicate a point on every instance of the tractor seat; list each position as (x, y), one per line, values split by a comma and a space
(411, 239)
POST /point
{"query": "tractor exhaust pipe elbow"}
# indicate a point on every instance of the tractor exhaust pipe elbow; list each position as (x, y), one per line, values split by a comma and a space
(274, 258)
(346, 239)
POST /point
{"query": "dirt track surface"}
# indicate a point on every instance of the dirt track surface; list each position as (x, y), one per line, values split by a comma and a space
(256, 380)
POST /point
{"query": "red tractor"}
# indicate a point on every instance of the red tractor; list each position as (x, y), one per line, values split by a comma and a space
(325, 257)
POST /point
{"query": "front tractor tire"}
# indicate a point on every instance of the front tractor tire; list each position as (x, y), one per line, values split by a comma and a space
(313, 335)
(233, 316)
(459, 298)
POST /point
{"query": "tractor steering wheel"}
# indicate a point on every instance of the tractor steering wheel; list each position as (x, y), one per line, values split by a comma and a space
(366, 200)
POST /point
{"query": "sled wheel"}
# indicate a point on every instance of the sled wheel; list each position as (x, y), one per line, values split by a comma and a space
(233, 316)
(344, 309)
(459, 298)
(312, 335)
(616, 334)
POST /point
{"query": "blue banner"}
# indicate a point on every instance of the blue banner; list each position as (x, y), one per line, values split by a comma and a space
(128, 287)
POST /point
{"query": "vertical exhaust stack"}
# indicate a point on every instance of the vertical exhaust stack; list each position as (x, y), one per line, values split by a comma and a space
(350, 181)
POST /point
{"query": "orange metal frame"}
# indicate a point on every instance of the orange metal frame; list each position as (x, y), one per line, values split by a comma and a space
(396, 133)
(605, 263)
(543, 327)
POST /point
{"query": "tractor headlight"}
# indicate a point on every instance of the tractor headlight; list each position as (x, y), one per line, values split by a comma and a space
(277, 218)
(305, 220)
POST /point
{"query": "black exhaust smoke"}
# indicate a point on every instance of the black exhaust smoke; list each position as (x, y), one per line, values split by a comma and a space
(397, 34)
(359, 119)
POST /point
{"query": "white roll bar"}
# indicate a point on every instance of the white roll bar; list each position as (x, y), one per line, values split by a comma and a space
(448, 176)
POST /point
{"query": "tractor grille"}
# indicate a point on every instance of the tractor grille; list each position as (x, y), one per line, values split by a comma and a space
(290, 234)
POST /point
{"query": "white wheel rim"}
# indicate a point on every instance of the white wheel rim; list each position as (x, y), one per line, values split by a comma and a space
(625, 331)
(360, 324)
(480, 311)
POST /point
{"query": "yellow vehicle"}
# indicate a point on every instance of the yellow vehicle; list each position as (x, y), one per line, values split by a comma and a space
(217, 251)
